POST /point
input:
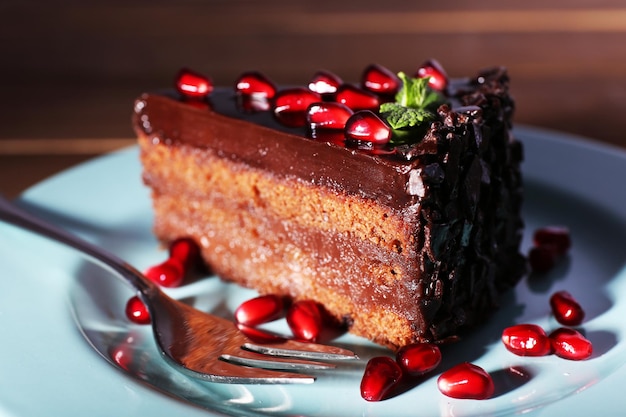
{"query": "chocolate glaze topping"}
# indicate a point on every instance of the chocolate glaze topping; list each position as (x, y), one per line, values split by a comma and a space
(285, 154)
(394, 180)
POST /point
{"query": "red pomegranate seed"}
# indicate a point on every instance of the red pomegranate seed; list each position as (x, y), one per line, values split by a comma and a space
(325, 83)
(169, 273)
(136, 311)
(438, 77)
(366, 126)
(326, 121)
(123, 357)
(258, 335)
(259, 310)
(381, 374)
(186, 251)
(327, 115)
(570, 344)
(305, 320)
(254, 92)
(380, 80)
(255, 83)
(251, 103)
(122, 354)
(356, 98)
(192, 84)
(466, 381)
(526, 340)
(418, 359)
(541, 259)
(556, 237)
(566, 309)
(290, 106)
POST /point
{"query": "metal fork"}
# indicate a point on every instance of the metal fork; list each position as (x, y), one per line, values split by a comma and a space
(199, 344)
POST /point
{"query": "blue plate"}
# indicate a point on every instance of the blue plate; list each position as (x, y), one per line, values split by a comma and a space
(68, 350)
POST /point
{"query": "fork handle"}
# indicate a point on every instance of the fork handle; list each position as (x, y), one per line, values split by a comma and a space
(12, 214)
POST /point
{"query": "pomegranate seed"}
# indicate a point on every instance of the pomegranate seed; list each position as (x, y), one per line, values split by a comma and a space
(192, 84)
(305, 320)
(366, 126)
(438, 78)
(542, 259)
(555, 237)
(136, 311)
(290, 106)
(251, 103)
(381, 374)
(466, 381)
(254, 91)
(326, 121)
(356, 98)
(327, 115)
(418, 359)
(123, 357)
(526, 340)
(380, 80)
(255, 83)
(259, 310)
(258, 335)
(186, 251)
(566, 309)
(325, 83)
(122, 354)
(570, 344)
(169, 273)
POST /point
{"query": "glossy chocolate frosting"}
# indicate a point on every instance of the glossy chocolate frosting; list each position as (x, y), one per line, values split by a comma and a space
(285, 153)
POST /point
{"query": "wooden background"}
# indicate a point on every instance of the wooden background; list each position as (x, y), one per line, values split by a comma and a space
(70, 70)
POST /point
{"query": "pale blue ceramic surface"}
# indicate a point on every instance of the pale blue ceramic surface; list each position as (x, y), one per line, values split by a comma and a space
(49, 295)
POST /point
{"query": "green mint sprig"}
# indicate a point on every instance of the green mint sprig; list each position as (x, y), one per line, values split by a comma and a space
(415, 104)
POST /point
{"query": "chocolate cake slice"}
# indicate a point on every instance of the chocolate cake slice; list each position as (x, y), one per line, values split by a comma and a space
(405, 242)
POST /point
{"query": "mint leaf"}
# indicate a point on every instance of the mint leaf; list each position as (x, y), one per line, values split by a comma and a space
(415, 105)
(415, 93)
(399, 116)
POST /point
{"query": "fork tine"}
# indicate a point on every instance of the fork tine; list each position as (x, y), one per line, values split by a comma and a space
(233, 373)
(302, 350)
(257, 360)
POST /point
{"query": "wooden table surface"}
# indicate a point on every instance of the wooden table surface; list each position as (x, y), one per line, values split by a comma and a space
(71, 71)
